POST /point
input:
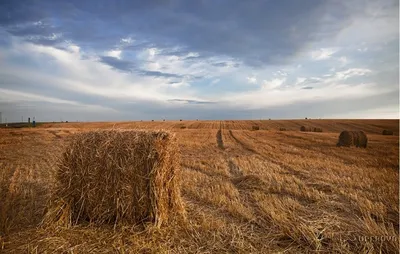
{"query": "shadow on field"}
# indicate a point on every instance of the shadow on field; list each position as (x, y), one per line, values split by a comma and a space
(22, 205)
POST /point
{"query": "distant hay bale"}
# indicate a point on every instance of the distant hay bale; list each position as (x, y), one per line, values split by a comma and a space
(387, 132)
(303, 128)
(255, 127)
(350, 138)
(113, 176)
(317, 129)
(282, 129)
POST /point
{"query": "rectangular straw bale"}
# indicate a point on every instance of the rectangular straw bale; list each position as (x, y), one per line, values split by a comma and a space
(110, 176)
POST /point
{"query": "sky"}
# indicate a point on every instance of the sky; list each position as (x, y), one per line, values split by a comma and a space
(100, 60)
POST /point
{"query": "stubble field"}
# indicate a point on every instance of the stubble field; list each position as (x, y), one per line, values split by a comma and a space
(244, 191)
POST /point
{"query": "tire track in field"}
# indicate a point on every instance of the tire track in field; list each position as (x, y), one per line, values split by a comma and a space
(220, 141)
(289, 169)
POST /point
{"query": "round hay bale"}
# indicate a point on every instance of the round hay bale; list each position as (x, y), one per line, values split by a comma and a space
(304, 128)
(317, 129)
(255, 127)
(356, 138)
(282, 129)
(362, 139)
(387, 132)
(112, 176)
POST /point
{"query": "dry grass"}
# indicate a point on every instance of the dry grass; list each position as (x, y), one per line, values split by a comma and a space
(264, 192)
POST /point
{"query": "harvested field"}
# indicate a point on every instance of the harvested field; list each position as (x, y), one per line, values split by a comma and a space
(244, 191)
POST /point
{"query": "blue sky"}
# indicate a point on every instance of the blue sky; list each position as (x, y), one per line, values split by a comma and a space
(224, 59)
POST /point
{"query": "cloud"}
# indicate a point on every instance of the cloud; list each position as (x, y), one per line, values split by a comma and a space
(280, 73)
(343, 60)
(114, 53)
(343, 75)
(127, 41)
(323, 53)
(300, 80)
(215, 81)
(159, 74)
(142, 54)
(252, 80)
(273, 84)
(190, 101)
(251, 32)
(364, 49)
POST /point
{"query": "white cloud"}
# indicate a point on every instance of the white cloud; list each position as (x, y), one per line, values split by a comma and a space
(343, 75)
(215, 81)
(272, 84)
(74, 48)
(300, 80)
(343, 60)
(280, 73)
(127, 41)
(252, 80)
(114, 53)
(193, 54)
(152, 52)
(14, 96)
(69, 71)
(323, 53)
(364, 49)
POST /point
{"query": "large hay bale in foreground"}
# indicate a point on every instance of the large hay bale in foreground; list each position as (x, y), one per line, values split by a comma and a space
(356, 138)
(113, 176)
(387, 132)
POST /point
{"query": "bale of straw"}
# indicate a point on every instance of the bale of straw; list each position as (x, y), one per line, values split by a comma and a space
(350, 138)
(113, 176)
(387, 132)
(304, 128)
(317, 129)
(255, 127)
(282, 129)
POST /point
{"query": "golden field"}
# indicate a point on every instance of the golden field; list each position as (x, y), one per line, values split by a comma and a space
(264, 191)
